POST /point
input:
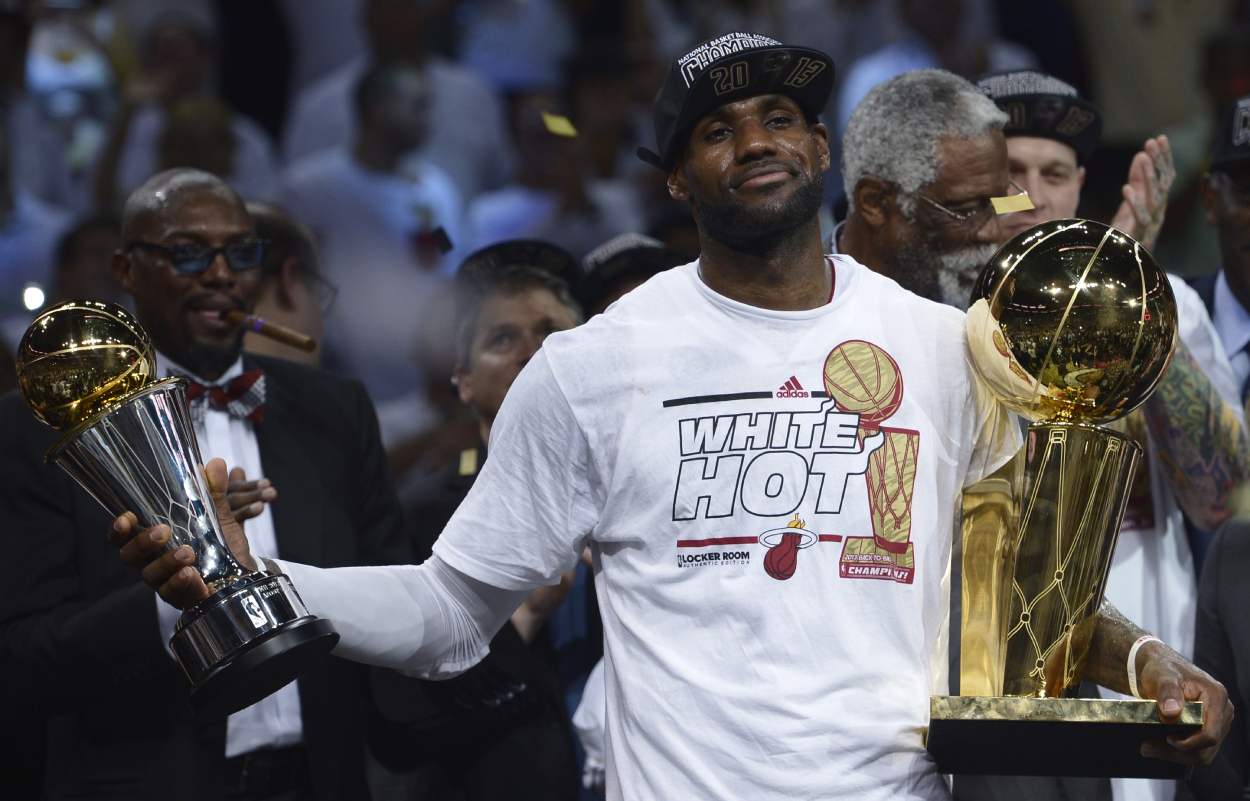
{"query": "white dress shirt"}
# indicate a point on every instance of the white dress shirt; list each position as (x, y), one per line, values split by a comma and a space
(274, 722)
(1232, 323)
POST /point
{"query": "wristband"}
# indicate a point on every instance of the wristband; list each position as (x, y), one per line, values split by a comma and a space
(1132, 662)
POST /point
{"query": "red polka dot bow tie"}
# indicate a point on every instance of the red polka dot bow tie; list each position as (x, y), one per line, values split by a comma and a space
(242, 397)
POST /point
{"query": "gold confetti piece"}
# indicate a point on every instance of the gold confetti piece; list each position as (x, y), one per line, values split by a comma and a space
(559, 125)
(468, 462)
(1006, 205)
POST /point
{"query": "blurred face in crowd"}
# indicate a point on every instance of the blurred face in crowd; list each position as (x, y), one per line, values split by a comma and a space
(546, 159)
(1227, 74)
(1048, 171)
(937, 255)
(1227, 198)
(182, 58)
(85, 270)
(182, 313)
(198, 135)
(753, 170)
(510, 329)
(404, 113)
(936, 20)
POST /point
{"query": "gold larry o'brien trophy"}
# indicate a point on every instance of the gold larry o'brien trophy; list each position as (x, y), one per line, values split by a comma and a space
(88, 369)
(1072, 324)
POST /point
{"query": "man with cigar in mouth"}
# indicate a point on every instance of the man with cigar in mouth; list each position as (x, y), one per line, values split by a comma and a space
(682, 435)
(85, 643)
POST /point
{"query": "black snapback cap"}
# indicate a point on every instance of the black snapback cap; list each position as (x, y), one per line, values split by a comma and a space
(1232, 144)
(729, 68)
(1042, 105)
(624, 255)
(545, 256)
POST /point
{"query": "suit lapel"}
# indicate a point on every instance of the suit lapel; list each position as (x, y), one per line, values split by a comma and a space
(296, 519)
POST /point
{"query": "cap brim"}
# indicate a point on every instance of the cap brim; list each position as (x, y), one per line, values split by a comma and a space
(804, 74)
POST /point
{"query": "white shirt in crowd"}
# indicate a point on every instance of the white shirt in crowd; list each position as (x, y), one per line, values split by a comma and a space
(682, 434)
(519, 212)
(468, 136)
(518, 47)
(255, 174)
(1232, 322)
(375, 232)
(1152, 580)
(274, 722)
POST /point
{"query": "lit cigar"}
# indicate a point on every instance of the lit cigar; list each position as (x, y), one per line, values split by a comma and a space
(272, 330)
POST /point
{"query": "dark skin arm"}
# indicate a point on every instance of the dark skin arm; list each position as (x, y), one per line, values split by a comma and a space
(1166, 676)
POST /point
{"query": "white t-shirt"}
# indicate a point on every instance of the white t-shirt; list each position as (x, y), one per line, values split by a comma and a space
(376, 233)
(681, 434)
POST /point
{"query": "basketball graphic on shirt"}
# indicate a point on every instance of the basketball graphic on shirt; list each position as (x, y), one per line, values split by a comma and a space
(863, 379)
(783, 546)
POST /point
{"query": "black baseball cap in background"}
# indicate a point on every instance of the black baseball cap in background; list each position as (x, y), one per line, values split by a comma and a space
(728, 68)
(546, 256)
(1232, 142)
(624, 256)
(1042, 105)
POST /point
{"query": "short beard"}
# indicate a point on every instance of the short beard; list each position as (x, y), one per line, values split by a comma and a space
(760, 229)
(958, 273)
(919, 266)
(207, 361)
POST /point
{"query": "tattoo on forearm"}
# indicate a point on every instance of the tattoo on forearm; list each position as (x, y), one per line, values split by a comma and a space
(1110, 643)
(1202, 448)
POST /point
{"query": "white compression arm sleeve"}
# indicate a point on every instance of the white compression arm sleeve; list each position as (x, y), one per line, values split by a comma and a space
(429, 620)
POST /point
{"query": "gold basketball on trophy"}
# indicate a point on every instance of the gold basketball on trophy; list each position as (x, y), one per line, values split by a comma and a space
(1072, 321)
(80, 357)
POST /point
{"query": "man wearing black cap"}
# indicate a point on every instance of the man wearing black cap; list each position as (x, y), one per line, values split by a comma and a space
(721, 438)
(621, 265)
(1191, 427)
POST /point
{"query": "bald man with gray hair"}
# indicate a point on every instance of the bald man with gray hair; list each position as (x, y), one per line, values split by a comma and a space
(922, 156)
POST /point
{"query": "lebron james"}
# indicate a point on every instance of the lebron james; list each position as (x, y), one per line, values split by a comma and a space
(763, 450)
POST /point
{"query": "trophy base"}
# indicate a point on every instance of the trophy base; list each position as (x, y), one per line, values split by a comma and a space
(1002, 736)
(248, 641)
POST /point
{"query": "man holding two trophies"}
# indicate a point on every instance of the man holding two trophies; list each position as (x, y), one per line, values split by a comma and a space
(768, 635)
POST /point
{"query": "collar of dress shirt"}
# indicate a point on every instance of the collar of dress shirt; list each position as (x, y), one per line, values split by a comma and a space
(166, 367)
(1232, 321)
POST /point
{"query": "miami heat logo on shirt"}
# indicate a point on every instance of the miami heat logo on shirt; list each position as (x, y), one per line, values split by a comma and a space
(798, 464)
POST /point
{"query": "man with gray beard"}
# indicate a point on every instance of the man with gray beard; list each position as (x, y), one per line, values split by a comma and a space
(922, 155)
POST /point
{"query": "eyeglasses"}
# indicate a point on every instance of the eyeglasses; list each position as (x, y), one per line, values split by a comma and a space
(193, 259)
(971, 220)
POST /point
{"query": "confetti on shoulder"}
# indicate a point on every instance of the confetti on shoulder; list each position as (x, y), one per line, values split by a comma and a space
(559, 125)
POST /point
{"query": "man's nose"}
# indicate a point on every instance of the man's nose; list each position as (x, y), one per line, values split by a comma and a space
(218, 272)
(991, 232)
(754, 141)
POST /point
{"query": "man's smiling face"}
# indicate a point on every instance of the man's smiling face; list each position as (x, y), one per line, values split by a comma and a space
(754, 170)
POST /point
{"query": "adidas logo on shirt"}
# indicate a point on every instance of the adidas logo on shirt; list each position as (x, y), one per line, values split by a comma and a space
(792, 389)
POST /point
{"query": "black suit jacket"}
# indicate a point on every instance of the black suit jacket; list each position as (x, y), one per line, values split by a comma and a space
(79, 641)
(1222, 648)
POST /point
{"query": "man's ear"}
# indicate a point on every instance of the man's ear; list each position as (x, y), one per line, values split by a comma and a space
(874, 200)
(464, 385)
(1209, 199)
(678, 186)
(822, 139)
(285, 281)
(123, 271)
(1080, 176)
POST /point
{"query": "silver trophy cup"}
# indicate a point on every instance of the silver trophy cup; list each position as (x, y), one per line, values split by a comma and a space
(253, 635)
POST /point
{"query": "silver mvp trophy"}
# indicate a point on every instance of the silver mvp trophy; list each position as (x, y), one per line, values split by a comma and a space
(88, 369)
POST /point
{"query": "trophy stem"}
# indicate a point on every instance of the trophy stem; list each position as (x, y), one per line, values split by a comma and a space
(1075, 487)
(140, 455)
